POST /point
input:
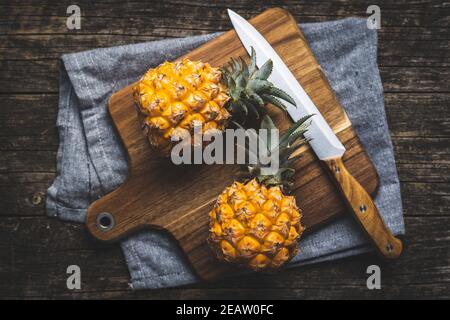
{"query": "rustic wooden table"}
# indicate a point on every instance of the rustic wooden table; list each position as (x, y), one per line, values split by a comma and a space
(35, 251)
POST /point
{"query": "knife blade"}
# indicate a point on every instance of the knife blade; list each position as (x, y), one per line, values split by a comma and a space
(323, 141)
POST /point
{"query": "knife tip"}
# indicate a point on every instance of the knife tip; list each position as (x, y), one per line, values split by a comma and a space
(231, 12)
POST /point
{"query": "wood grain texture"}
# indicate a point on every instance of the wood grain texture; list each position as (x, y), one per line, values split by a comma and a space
(35, 251)
(364, 210)
(159, 194)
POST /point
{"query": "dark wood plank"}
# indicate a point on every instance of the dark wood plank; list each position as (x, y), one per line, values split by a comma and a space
(169, 17)
(37, 267)
(25, 72)
(418, 114)
(28, 115)
(397, 48)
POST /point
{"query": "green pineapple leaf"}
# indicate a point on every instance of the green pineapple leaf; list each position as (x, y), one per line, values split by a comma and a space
(250, 104)
(252, 68)
(254, 98)
(273, 91)
(276, 102)
(268, 124)
(291, 141)
(240, 81)
(259, 85)
(245, 71)
(237, 69)
(301, 124)
(238, 107)
(264, 72)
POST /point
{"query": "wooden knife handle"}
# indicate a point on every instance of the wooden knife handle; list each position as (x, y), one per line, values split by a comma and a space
(364, 210)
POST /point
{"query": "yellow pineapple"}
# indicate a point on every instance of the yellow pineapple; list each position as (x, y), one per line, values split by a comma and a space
(175, 97)
(255, 224)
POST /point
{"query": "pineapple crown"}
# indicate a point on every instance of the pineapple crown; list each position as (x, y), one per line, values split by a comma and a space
(249, 88)
(287, 144)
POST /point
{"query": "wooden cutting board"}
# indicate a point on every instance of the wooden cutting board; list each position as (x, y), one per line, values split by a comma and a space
(158, 194)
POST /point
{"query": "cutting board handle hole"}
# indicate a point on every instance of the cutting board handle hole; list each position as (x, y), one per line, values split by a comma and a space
(105, 221)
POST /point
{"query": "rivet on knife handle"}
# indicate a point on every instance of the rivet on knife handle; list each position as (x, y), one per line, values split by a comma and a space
(364, 210)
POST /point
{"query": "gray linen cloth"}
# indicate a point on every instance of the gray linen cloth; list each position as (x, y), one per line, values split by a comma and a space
(91, 161)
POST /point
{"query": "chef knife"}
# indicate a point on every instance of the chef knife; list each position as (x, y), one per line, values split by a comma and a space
(323, 141)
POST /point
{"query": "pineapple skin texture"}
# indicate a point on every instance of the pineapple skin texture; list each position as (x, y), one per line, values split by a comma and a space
(255, 226)
(176, 96)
